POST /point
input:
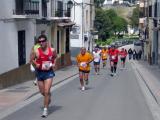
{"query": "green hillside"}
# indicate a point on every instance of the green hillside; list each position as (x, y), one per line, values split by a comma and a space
(124, 12)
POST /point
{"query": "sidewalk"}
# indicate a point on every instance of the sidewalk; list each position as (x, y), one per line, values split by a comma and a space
(151, 76)
(14, 95)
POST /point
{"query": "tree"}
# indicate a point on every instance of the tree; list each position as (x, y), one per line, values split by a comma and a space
(108, 23)
(102, 24)
(119, 26)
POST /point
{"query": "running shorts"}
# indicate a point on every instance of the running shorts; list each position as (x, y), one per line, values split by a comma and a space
(43, 75)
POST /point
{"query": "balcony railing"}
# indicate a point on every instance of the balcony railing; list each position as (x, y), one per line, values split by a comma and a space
(60, 8)
(62, 13)
(27, 8)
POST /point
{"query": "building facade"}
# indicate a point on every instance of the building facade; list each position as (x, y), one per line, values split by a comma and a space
(150, 29)
(83, 15)
(111, 2)
(21, 21)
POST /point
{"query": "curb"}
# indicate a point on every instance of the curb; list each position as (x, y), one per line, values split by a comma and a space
(33, 97)
(52, 86)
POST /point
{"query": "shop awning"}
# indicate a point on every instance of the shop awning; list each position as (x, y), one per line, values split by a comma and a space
(66, 24)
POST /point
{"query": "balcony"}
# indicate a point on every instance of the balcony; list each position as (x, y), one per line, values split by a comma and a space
(60, 10)
(26, 8)
(62, 13)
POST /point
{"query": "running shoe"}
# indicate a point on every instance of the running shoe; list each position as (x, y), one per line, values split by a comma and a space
(35, 82)
(83, 88)
(112, 74)
(45, 113)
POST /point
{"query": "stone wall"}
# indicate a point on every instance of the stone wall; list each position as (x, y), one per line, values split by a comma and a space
(23, 73)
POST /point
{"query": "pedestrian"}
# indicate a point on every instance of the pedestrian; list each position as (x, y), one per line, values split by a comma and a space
(97, 59)
(83, 61)
(45, 65)
(130, 52)
(113, 55)
(134, 54)
(32, 67)
(139, 54)
(104, 55)
(123, 54)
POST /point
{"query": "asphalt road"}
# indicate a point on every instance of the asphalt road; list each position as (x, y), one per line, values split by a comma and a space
(106, 98)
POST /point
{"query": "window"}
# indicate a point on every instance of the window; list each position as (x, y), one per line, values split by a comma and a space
(59, 11)
(155, 9)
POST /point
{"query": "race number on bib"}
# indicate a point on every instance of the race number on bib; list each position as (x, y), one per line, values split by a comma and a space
(113, 57)
(46, 65)
(83, 64)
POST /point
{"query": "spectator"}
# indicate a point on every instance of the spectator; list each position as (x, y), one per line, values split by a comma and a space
(134, 54)
(130, 52)
(139, 54)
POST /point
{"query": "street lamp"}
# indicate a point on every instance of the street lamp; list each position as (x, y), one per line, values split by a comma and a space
(69, 4)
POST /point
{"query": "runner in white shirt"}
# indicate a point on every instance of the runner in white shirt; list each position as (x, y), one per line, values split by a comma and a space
(97, 58)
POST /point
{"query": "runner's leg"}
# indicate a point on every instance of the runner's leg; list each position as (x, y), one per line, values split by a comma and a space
(81, 78)
(86, 78)
(47, 94)
(41, 86)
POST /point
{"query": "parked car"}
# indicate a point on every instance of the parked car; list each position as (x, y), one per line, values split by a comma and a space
(138, 45)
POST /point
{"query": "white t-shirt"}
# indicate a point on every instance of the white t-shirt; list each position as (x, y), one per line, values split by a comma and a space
(96, 56)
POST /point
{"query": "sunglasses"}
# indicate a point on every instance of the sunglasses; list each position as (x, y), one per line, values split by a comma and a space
(42, 41)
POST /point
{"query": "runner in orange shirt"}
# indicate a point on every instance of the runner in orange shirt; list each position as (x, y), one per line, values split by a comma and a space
(104, 55)
(83, 61)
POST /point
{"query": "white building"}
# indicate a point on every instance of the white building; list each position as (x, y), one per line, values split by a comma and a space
(83, 16)
(110, 2)
(23, 20)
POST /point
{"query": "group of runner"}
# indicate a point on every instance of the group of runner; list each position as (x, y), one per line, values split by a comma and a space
(43, 60)
(84, 59)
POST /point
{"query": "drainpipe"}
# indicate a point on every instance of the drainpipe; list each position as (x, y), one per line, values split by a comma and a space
(155, 36)
(149, 40)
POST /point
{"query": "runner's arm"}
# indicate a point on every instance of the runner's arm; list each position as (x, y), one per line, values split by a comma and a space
(54, 57)
(35, 55)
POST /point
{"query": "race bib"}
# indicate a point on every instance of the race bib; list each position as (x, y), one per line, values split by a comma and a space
(113, 57)
(83, 64)
(46, 65)
(104, 55)
(122, 56)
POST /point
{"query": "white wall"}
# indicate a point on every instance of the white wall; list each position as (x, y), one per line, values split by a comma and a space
(8, 47)
(29, 27)
(6, 8)
(81, 21)
(77, 18)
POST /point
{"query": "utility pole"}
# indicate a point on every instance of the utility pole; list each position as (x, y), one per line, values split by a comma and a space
(147, 27)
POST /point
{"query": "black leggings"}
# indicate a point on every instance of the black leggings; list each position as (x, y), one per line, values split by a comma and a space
(114, 67)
